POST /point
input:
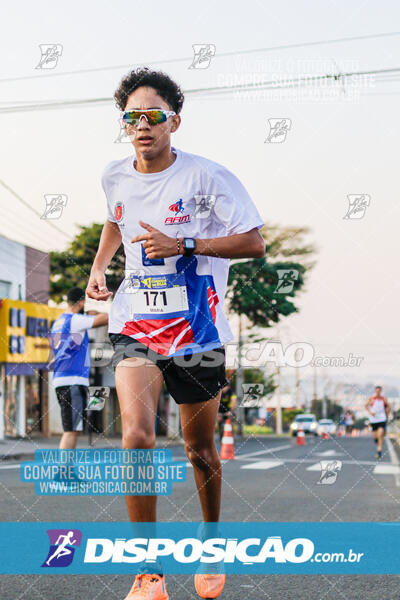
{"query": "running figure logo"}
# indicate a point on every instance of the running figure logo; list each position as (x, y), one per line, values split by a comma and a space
(287, 279)
(204, 204)
(50, 53)
(97, 397)
(358, 204)
(178, 209)
(62, 547)
(54, 206)
(203, 54)
(278, 129)
(252, 395)
(329, 471)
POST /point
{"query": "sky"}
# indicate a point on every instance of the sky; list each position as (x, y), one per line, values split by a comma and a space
(342, 140)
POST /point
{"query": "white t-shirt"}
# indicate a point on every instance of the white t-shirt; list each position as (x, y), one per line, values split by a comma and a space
(176, 303)
(79, 325)
(377, 406)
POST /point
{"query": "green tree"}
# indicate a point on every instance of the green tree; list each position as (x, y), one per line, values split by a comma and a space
(255, 286)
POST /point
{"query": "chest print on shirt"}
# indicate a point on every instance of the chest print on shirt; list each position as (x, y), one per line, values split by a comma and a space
(177, 214)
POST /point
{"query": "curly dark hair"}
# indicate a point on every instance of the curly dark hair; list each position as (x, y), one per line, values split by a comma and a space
(161, 82)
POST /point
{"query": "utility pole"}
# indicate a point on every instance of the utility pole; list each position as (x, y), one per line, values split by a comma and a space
(324, 407)
(297, 386)
(278, 414)
(239, 382)
(315, 396)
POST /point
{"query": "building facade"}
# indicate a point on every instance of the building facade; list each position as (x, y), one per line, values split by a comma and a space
(24, 316)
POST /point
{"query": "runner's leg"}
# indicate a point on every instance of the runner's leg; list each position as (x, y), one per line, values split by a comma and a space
(198, 425)
(381, 434)
(68, 440)
(138, 383)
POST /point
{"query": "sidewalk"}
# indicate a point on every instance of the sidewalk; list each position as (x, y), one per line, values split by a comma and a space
(24, 448)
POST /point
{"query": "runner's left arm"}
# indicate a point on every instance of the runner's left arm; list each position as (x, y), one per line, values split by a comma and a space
(388, 408)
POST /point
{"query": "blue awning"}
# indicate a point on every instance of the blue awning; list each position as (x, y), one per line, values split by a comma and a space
(24, 368)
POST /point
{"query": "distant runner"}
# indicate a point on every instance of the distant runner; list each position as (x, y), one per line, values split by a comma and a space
(349, 421)
(70, 344)
(379, 409)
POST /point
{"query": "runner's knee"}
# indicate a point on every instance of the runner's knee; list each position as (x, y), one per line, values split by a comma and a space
(135, 437)
(202, 457)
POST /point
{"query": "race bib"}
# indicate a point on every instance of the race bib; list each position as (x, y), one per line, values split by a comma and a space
(159, 296)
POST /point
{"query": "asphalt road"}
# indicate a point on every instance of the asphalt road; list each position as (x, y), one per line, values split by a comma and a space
(272, 479)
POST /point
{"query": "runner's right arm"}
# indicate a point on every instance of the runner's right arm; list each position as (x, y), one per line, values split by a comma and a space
(367, 405)
(110, 241)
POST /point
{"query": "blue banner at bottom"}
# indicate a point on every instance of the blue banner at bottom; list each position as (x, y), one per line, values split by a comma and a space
(187, 548)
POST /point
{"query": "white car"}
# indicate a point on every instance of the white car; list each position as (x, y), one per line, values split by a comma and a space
(326, 426)
(306, 422)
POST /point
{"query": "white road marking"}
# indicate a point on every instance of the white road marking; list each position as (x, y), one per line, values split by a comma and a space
(329, 453)
(266, 451)
(315, 467)
(263, 464)
(394, 460)
(387, 470)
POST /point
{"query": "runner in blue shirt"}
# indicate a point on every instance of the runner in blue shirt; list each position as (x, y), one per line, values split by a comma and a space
(70, 345)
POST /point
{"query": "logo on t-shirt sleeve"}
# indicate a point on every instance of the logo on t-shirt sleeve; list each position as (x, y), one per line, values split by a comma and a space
(119, 211)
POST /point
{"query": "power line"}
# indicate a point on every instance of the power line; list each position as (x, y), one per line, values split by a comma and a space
(190, 58)
(37, 213)
(48, 222)
(214, 90)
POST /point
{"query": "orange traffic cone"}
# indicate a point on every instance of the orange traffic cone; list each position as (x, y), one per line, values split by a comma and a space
(227, 445)
(325, 435)
(300, 438)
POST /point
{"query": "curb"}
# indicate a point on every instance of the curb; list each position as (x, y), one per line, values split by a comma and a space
(30, 455)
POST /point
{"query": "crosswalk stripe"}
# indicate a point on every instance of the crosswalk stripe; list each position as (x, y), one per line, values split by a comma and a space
(264, 464)
(387, 470)
(329, 453)
(314, 467)
(265, 451)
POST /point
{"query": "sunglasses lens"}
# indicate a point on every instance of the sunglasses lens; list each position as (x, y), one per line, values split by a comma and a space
(131, 117)
(155, 117)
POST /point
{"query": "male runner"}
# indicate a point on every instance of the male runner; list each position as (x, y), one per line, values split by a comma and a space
(180, 217)
(379, 409)
(70, 344)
